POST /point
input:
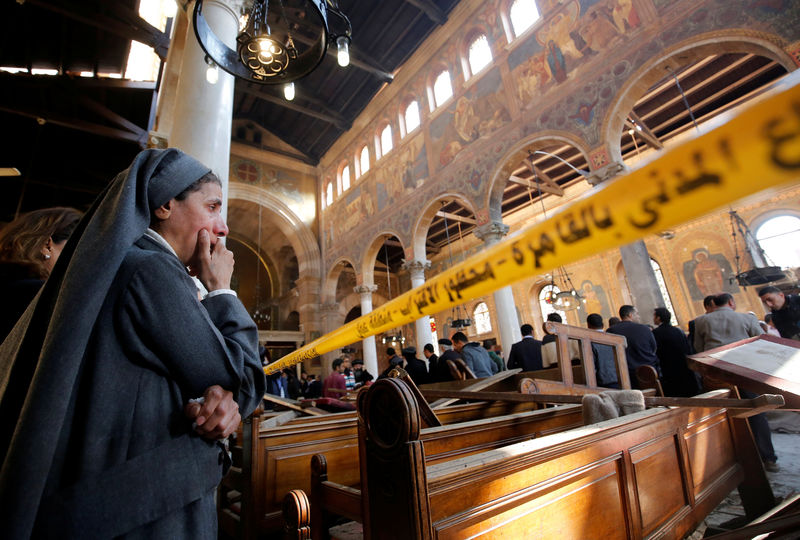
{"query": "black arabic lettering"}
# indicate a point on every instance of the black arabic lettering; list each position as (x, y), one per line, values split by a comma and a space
(546, 245)
(650, 208)
(690, 184)
(779, 138)
(576, 230)
(604, 223)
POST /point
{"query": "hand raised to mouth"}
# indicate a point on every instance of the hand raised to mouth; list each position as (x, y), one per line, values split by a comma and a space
(213, 265)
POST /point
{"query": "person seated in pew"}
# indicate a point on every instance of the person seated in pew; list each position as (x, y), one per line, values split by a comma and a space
(361, 375)
(475, 356)
(441, 371)
(122, 380)
(605, 368)
(335, 381)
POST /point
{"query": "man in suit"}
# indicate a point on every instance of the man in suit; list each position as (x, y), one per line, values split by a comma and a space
(785, 311)
(641, 347)
(605, 367)
(724, 326)
(672, 347)
(526, 354)
(414, 366)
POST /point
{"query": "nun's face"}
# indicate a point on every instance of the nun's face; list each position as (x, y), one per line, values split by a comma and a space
(200, 210)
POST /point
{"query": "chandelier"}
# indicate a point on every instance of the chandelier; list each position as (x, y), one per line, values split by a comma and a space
(274, 46)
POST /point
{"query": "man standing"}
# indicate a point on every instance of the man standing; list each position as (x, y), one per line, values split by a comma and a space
(496, 358)
(432, 359)
(672, 347)
(605, 367)
(335, 381)
(641, 347)
(551, 317)
(148, 377)
(724, 326)
(785, 311)
(708, 307)
(526, 354)
(414, 366)
(475, 356)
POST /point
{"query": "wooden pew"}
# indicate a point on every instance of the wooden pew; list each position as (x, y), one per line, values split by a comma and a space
(281, 455)
(585, 337)
(329, 498)
(654, 473)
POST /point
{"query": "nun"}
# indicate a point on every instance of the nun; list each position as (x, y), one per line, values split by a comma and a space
(120, 379)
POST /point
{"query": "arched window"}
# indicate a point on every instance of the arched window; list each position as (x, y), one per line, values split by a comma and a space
(523, 14)
(442, 89)
(384, 143)
(779, 237)
(662, 286)
(363, 160)
(479, 54)
(411, 117)
(483, 324)
(329, 194)
(346, 178)
(546, 297)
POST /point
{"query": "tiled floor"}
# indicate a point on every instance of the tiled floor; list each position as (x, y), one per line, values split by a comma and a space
(786, 440)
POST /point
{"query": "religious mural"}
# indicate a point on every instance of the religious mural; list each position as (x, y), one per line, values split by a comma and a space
(289, 186)
(595, 301)
(404, 170)
(474, 115)
(571, 33)
(708, 273)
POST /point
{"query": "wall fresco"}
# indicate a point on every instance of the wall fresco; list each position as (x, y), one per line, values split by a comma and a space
(476, 114)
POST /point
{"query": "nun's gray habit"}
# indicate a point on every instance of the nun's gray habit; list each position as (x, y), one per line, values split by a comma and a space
(95, 376)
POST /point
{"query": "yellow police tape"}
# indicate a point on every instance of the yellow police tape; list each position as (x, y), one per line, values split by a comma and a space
(757, 149)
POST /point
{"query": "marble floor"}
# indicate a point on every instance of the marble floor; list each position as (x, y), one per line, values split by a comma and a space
(785, 428)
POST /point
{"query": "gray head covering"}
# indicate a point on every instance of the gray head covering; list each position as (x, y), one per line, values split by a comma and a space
(42, 356)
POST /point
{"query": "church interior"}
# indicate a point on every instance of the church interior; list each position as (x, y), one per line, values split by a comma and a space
(455, 125)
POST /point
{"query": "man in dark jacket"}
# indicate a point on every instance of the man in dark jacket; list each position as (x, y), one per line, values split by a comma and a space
(526, 354)
(641, 347)
(785, 311)
(414, 366)
(672, 347)
(442, 371)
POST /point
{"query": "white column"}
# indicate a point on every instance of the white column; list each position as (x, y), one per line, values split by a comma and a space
(422, 326)
(507, 320)
(368, 343)
(203, 111)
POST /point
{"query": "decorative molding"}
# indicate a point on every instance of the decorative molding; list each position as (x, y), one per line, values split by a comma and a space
(492, 232)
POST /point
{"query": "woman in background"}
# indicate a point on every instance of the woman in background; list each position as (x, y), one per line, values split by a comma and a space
(29, 248)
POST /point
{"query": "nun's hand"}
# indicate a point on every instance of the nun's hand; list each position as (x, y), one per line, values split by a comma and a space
(217, 416)
(214, 264)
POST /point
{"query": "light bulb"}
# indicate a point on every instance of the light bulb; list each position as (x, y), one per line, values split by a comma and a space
(288, 91)
(343, 50)
(212, 74)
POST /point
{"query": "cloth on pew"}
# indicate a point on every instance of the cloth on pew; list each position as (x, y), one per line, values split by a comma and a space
(611, 404)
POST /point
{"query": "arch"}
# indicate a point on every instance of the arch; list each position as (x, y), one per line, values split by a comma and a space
(470, 38)
(779, 250)
(687, 51)
(403, 116)
(435, 73)
(420, 230)
(515, 155)
(371, 253)
(328, 292)
(300, 236)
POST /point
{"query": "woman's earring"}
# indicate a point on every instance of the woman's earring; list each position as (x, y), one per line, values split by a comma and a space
(46, 256)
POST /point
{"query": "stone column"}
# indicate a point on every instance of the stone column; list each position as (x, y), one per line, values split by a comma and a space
(422, 326)
(331, 320)
(203, 115)
(368, 343)
(641, 280)
(635, 258)
(507, 320)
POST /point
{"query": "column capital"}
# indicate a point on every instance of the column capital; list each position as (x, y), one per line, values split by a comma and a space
(606, 172)
(365, 289)
(416, 268)
(491, 232)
